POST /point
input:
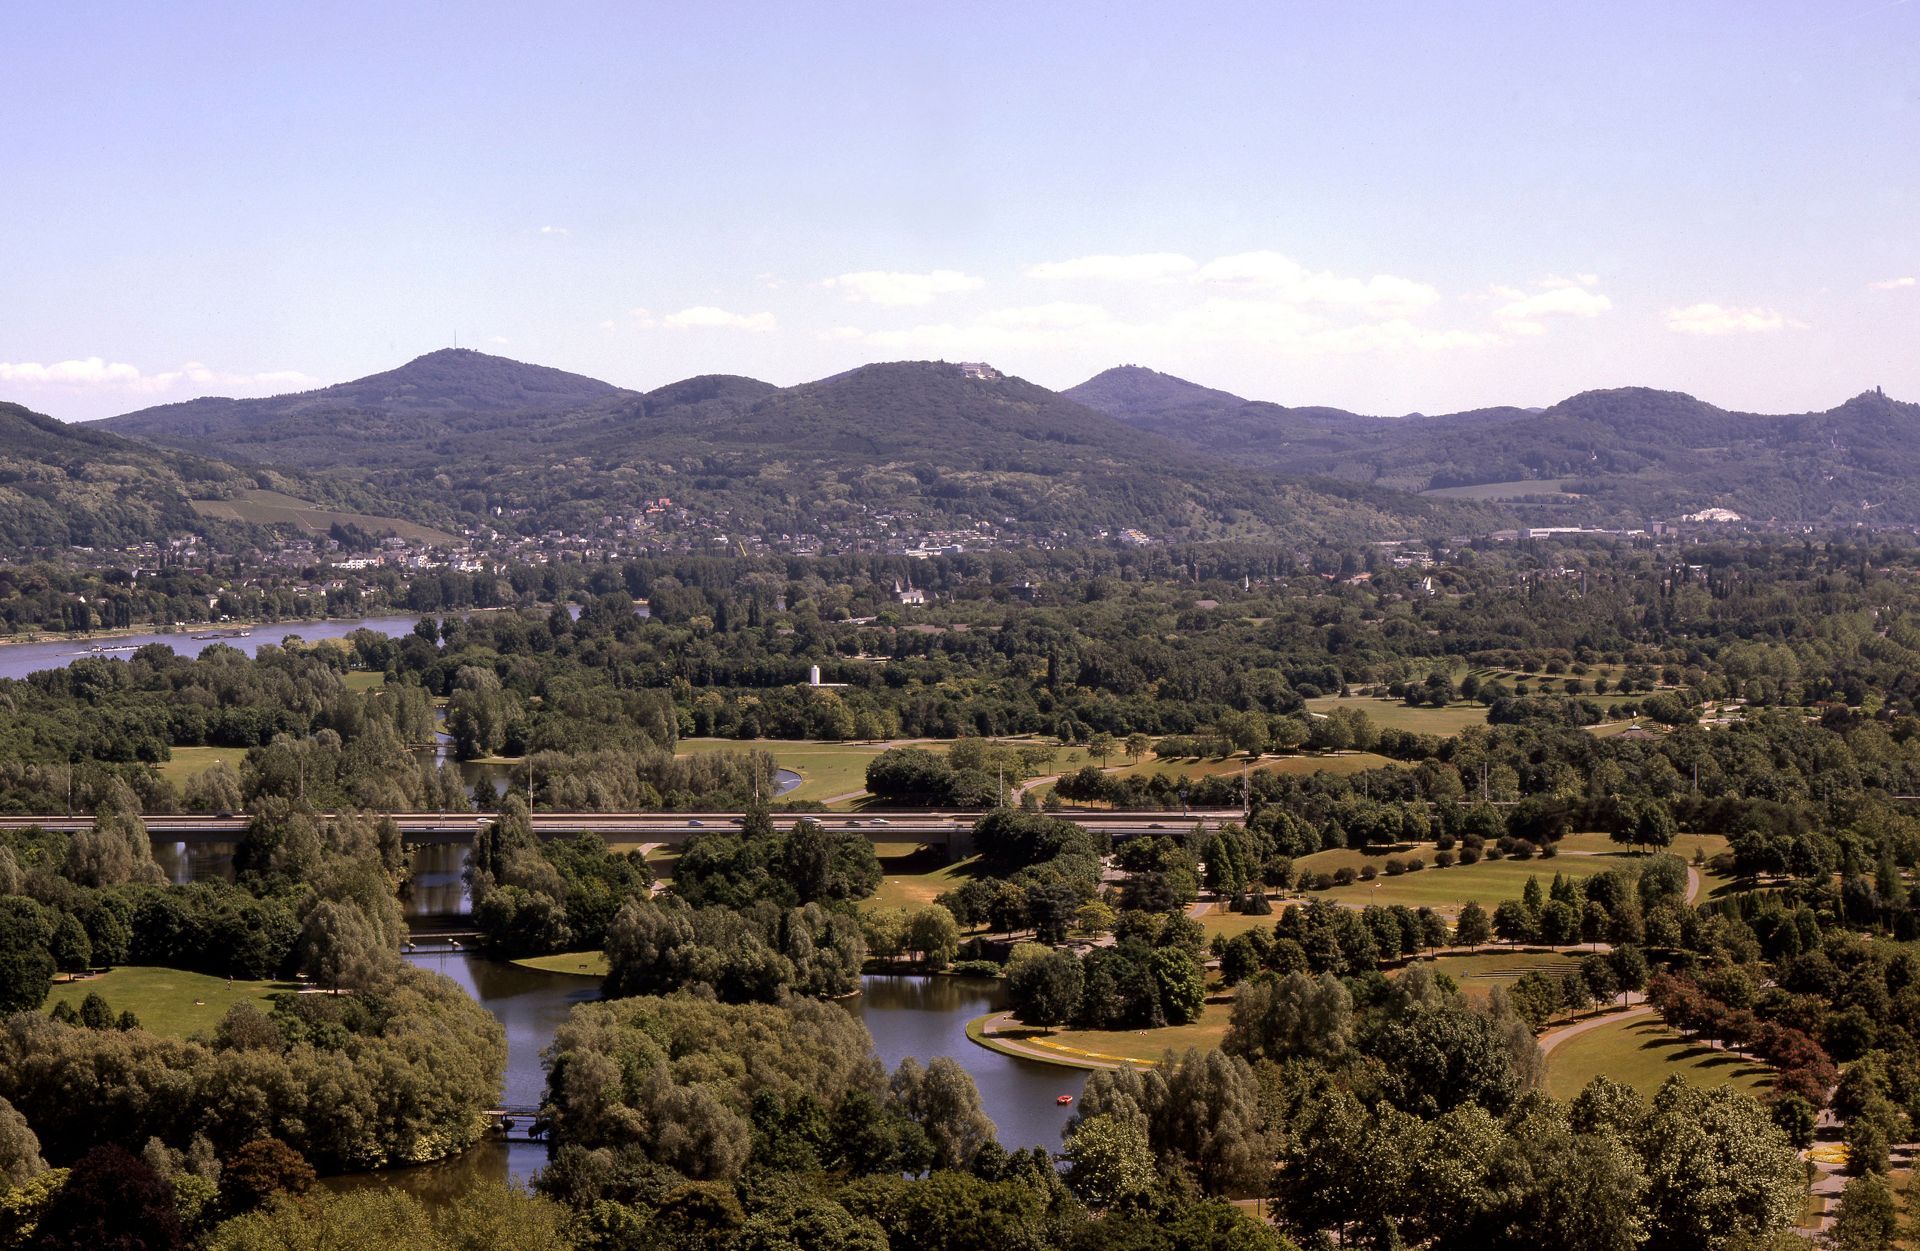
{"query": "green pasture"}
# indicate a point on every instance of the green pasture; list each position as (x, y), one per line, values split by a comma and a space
(273, 508)
(1522, 489)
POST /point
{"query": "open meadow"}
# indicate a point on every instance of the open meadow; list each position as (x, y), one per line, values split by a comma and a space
(274, 508)
(169, 1001)
(1444, 890)
(1396, 714)
(1642, 1053)
(186, 763)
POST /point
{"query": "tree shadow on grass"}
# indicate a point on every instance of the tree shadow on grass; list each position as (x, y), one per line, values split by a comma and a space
(1681, 1051)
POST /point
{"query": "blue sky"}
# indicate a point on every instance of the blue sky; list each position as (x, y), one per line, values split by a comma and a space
(1378, 204)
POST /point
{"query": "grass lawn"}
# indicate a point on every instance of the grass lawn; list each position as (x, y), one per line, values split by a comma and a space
(1684, 846)
(662, 862)
(1340, 764)
(827, 769)
(1481, 971)
(913, 881)
(1393, 714)
(1444, 890)
(364, 680)
(572, 963)
(168, 1001)
(191, 762)
(1217, 920)
(1143, 1044)
(1643, 1053)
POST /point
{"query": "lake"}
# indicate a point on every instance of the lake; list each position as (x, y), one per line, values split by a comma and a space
(914, 1016)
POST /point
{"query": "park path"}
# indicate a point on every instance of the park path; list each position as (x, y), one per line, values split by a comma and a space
(1553, 1038)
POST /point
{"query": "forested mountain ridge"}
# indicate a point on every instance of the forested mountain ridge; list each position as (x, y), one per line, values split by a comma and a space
(1625, 454)
(76, 486)
(907, 445)
(429, 402)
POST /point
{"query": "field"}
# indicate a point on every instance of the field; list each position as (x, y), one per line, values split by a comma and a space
(168, 1001)
(571, 963)
(830, 771)
(1394, 714)
(1643, 1053)
(271, 508)
(191, 762)
(1481, 971)
(912, 881)
(364, 680)
(1502, 490)
(1444, 890)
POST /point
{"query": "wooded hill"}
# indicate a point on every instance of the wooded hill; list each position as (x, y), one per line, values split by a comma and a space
(79, 486)
(918, 441)
(460, 436)
(1627, 454)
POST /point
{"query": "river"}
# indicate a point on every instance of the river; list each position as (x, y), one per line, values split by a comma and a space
(914, 1016)
(17, 660)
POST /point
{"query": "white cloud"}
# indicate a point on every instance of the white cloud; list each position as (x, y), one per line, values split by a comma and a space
(1720, 319)
(1107, 267)
(91, 372)
(1044, 317)
(1287, 279)
(95, 372)
(560, 232)
(1268, 325)
(1894, 284)
(1527, 314)
(1260, 301)
(877, 286)
(707, 317)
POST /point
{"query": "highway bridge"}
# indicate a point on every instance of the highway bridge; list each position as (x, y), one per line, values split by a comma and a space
(947, 828)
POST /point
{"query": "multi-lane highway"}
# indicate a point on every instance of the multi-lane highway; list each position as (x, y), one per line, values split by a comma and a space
(893, 826)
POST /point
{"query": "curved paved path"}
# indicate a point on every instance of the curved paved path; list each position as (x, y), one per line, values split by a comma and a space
(1553, 1038)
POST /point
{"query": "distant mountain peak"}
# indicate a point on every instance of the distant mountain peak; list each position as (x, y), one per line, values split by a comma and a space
(440, 385)
(1128, 391)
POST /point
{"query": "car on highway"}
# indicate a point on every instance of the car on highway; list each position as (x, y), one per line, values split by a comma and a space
(880, 821)
(695, 822)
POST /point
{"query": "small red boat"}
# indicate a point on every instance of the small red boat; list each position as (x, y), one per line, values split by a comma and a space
(1064, 1100)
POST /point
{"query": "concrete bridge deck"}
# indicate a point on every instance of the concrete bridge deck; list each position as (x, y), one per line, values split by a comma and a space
(935, 827)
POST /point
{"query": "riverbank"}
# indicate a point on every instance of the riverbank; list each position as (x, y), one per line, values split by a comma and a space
(999, 1032)
(567, 964)
(176, 630)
